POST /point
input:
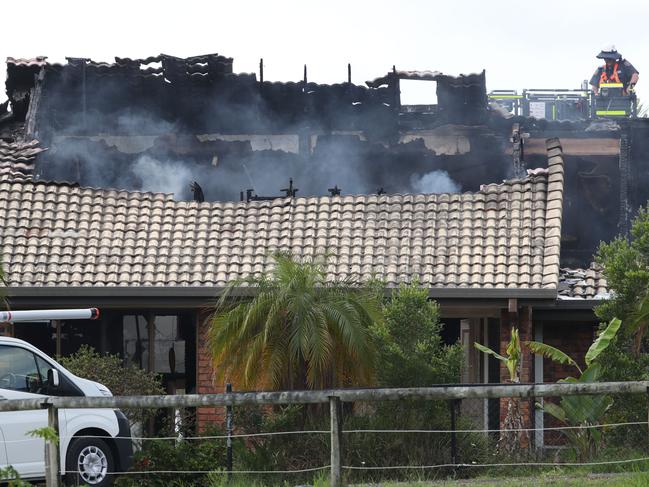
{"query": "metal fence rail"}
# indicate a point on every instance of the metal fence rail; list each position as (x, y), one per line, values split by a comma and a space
(334, 397)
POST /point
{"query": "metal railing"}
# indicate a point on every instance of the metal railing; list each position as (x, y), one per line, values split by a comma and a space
(334, 397)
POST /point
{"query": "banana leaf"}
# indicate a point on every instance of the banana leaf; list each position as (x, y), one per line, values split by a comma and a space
(603, 340)
(552, 353)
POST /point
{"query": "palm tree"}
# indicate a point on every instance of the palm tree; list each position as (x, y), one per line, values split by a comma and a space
(298, 331)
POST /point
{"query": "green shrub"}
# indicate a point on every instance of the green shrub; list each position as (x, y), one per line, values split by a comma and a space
(201, 454)
(110, 371)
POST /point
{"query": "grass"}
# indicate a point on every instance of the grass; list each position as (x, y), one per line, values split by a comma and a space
(638, 479)
(631, 479)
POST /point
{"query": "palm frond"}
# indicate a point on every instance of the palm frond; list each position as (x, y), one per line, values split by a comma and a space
(298, 330)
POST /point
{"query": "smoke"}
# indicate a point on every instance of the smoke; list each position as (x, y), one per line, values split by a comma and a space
(434, 182)
(162, 177)
(138, 133)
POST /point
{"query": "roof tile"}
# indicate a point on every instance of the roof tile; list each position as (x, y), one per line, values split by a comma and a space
(505, 235)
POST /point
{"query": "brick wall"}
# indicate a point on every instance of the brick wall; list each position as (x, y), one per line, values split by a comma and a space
(573, 339)
(205, 377)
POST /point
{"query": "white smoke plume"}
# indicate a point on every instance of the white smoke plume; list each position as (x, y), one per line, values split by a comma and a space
(434, 182)
(163, 177)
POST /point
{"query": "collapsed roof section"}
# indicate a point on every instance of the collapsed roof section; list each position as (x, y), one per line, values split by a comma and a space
(201, 94)
(460, 99)
(583, 284)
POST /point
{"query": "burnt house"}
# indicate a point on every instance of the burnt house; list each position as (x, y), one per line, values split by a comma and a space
(90, 152)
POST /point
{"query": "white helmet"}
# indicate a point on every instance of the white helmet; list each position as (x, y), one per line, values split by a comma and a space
(609, 52)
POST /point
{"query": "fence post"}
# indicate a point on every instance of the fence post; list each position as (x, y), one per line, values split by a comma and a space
(648, 416)
(52, 464)
(335, 414)
(453, 404)
(229, 426)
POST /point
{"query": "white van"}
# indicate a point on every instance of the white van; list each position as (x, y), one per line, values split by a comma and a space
(94, 442)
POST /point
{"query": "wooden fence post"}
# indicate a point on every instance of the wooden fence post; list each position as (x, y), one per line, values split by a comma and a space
(648, 416)
(335, 413)
(229, 427)
(52, 463)
(454, 406)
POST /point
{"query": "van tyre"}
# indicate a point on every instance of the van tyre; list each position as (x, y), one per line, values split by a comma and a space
(90, 461)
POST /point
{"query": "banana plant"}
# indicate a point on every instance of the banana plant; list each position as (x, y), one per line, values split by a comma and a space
(513, 435)
(512, 360)
(581, 412)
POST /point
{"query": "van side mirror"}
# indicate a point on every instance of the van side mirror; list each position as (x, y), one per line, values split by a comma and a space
(53, 378)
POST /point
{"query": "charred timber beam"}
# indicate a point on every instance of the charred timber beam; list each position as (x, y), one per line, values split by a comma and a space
(575, 147)
(346, 395)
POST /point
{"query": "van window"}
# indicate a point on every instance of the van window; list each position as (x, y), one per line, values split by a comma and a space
(18, 370)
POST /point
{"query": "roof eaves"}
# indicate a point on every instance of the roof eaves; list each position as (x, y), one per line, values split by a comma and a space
(215, 291)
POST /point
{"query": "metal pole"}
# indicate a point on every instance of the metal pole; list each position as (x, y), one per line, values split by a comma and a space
(335, 414)
(57, 325)
(453, 406)
(52, 465)
(150, 321)
(228, 428)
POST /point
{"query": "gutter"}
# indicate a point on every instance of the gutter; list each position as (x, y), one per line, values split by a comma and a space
(215, 291)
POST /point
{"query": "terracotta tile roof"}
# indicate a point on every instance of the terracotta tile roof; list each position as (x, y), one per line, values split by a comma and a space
(583, 284)
(503, 236)
(17, 158)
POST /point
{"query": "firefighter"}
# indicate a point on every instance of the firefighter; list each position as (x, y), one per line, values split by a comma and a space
(616, 70)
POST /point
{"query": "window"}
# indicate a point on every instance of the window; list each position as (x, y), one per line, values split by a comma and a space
(418, 92)
(169, 346)
(19, 371)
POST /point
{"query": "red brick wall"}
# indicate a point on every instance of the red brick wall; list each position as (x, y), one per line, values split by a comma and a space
(573, 339)
(205, 377)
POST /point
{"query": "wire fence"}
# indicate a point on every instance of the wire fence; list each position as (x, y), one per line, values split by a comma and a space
(370, 435)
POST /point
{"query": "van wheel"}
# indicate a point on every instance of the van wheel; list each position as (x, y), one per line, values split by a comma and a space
(89, 461)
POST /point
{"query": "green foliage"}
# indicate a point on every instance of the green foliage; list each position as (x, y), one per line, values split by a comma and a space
(513, 359)
(552, 353)
(12, 477)
(203, 454)
(410, 348)
(47, 433)
(299, 331)
(602, 341)
(625, 264)
(121, 380)
(581, 411)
